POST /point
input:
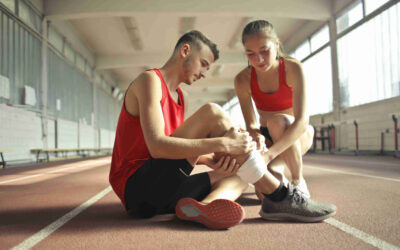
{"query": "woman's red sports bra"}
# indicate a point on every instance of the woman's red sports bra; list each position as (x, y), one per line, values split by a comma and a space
(277, 101)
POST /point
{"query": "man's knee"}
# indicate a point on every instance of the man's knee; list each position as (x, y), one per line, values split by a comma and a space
(216, 117)
(213, 110)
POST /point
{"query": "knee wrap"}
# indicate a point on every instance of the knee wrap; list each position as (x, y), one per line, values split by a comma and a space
(253, 168)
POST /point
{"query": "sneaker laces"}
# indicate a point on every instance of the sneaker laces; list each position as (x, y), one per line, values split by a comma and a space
(298, 197)
(301, 187)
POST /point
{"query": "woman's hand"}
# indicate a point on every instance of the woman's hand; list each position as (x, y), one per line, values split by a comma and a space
(259, 139)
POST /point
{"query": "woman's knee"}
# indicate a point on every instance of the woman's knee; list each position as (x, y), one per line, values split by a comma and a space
(308, 140)
(278, 125)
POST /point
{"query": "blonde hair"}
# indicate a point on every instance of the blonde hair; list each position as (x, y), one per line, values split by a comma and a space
(265, 27)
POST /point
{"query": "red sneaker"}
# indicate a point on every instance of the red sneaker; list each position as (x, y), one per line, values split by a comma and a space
(218, 214)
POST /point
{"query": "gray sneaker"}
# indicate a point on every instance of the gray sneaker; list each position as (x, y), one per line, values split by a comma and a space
(296, 207)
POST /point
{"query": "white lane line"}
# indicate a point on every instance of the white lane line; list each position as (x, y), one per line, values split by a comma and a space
(42, 234)
(378, 243)
(56, 171)
(363, 161)
(356, 174)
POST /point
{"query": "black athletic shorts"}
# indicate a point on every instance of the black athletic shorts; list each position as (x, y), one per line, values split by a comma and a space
(156, 187)
(265, 133)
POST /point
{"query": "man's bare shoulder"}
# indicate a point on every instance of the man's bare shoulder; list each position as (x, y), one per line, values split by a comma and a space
(144, 81)
(141, 90)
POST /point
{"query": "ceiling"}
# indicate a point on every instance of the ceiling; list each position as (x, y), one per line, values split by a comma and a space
(128, 36)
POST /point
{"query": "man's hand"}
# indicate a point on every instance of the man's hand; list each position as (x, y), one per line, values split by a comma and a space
(224, 164)
(238, 141)
(259, 139)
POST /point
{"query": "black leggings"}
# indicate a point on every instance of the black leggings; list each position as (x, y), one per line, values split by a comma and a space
(265, 133)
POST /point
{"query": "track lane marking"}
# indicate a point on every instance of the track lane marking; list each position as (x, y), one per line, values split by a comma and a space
(367, 238)
(364, 161)
(95, 164)
(356, 174)
(45, 232)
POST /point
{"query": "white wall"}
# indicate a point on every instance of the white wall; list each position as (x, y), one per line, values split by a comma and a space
(20, 131)
(106, 138)
(86, 136)
(67, 134)
(51, 133)
(372, 119)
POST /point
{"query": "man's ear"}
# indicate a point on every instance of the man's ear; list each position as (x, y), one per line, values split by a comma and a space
(185, 50)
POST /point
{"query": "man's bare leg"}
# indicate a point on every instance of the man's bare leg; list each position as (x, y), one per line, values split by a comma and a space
(211, 121)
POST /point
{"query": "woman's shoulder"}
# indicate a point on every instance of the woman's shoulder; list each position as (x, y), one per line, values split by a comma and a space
(294, 71)
(292, 64)
(243, 76)
(291, 61)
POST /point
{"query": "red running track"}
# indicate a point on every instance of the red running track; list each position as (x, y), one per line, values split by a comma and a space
(366, 191)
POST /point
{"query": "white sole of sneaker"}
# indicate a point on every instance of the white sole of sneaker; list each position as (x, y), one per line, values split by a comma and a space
(293, 217)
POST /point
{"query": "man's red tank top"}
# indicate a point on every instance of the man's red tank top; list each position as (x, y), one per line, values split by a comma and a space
(280, 100)
(130, 149)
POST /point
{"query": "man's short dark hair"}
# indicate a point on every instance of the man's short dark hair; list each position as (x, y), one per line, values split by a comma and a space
(195, 37)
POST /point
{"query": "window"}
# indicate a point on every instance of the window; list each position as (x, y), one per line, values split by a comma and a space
(371, 5)
(235, 112)
(29, 16)
(80, 62)
(318, 76)
(349, 17)
(55, 39)
(9, 4)
(320, 38)
(97, 78)
(369, 60)
(69, 53)
(88, 70)
(302, 51)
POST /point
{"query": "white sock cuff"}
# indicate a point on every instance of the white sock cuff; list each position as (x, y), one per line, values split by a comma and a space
(253, 168)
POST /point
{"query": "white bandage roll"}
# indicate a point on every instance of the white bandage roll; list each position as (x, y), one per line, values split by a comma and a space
(253, 168)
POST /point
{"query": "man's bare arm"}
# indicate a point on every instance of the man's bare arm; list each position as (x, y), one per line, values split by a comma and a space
(149, 93)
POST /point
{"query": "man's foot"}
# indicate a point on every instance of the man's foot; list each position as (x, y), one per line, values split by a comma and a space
(296, 207)
(301, 186)
(218, 214)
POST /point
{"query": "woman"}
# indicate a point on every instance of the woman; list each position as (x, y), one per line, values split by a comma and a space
(275, 82)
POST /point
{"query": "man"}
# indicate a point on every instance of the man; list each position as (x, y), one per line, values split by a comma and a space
(155, 150)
